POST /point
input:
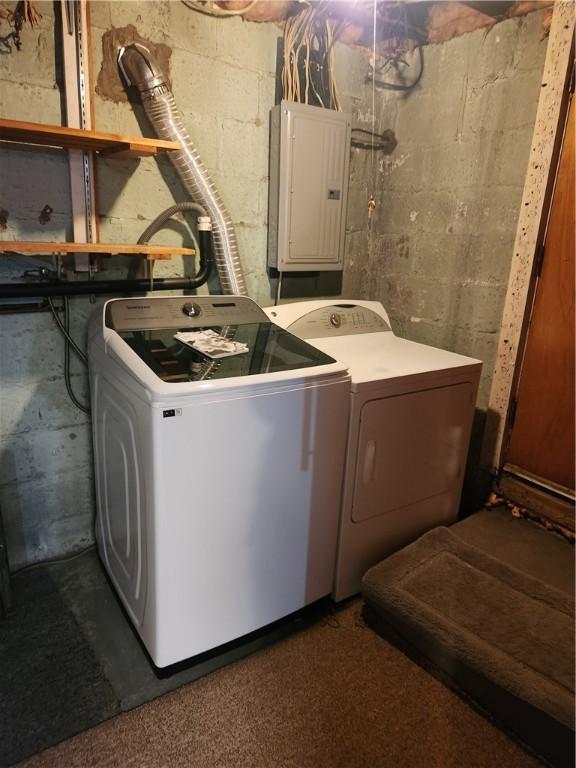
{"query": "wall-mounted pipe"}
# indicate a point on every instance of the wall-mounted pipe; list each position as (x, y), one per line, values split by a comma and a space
(139, 68)
(94, 287)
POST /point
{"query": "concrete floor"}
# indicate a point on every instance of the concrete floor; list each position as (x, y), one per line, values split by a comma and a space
(134, 678)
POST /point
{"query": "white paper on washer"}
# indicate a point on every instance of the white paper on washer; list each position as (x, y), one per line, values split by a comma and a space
(211, 344)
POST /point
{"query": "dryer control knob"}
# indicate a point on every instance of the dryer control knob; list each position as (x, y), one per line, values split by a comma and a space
(192, 310)
(335, 320)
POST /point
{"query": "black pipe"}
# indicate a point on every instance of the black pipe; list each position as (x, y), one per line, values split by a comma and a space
(89, 287)
(205, 266)
(139, 285)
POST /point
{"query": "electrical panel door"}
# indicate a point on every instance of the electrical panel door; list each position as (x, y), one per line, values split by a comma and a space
(309, 162)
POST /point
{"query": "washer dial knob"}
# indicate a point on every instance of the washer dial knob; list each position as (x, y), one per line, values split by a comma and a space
(192, 310)
(335, 320)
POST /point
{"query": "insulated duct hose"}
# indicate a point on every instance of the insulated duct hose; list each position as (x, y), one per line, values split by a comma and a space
(140, 69)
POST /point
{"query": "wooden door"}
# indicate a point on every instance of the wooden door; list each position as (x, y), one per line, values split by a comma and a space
(542, 437)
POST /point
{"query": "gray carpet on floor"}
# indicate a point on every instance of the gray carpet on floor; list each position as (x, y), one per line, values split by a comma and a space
(51, 685)
(504, 637)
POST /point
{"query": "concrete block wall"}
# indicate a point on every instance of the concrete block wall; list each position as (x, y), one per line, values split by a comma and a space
(438, 250)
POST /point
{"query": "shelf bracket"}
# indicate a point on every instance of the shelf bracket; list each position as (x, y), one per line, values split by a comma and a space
(77, 78)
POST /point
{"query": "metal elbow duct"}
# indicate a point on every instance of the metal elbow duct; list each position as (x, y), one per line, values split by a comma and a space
(139, 68)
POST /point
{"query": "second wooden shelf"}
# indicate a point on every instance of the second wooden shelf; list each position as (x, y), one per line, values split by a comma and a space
(105, 249)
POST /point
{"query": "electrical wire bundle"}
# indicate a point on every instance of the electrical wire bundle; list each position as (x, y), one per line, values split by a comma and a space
(69, 344)
(308, 70)
(392, 69)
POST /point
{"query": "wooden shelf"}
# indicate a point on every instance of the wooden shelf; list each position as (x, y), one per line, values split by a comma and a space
(105, 249)
(104, 144)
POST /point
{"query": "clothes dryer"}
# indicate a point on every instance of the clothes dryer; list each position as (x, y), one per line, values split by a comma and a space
(216, 508)
(411, 412)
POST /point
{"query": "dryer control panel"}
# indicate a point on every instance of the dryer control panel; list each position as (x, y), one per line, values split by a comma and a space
(337, 320)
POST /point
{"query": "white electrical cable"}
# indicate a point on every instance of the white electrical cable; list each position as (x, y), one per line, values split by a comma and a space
(373, 97)
(372, 198)
(307, 33)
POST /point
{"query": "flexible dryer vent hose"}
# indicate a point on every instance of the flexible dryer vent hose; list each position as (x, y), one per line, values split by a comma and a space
(140, 69)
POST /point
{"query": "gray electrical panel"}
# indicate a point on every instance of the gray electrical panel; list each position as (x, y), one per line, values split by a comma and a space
(309, 162)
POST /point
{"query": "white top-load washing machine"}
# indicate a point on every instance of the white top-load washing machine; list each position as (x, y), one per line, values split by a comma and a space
(411, 412)
(217, 511)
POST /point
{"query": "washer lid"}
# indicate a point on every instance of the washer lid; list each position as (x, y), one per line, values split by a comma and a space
(148, 326)
(269, 350)
(376, 357)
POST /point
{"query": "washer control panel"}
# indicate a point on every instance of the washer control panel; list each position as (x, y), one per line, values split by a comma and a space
(337, 320)
(147, 313)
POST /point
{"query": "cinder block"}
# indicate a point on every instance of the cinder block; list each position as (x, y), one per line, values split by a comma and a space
(46, 517)
(247, 45)
(350, 69)
(49, 172)
(495, 54)
(50, 453)
(136, 188)
(355, 251)
(501, 105)
(357, 211)
(266, 99)
(487, 210)
(408, 169)
(489, 257)
(531, 43)
(221, 89)
(34, 64)
(444, 255)
(511, 154)
(100, 18)
(124, 118)
(245, 147)
(35, 406)
(429, 119)
(152, 20)
(240, 197)
(192, 32)
(28, 101)
(360, 169)
(31, 355)
(252, 244)
(481, 304)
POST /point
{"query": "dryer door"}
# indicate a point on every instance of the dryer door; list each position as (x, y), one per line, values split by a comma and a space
(412, 447)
